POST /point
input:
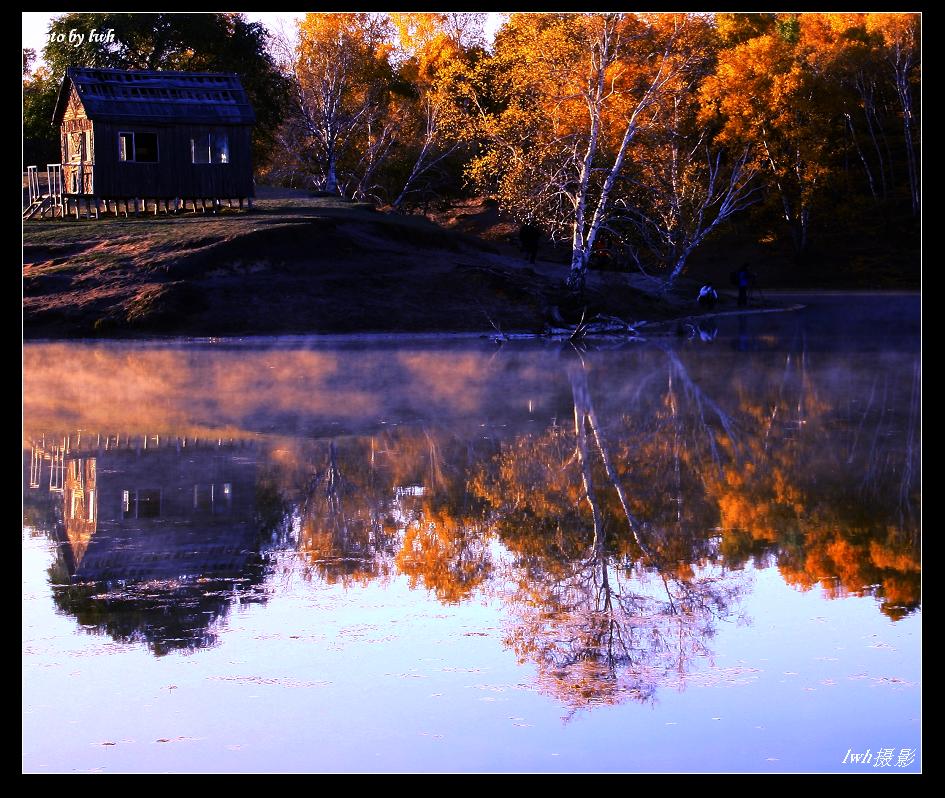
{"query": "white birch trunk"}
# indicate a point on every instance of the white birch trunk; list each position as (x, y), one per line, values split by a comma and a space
(579, 249)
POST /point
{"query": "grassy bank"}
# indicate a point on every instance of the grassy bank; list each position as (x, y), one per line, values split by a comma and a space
(298, 264)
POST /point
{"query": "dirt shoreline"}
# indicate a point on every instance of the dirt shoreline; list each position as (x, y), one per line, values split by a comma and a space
(310, 266)
(662, 329)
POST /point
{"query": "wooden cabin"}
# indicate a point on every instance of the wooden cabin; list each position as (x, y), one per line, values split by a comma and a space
(180, 138)
(150, 506)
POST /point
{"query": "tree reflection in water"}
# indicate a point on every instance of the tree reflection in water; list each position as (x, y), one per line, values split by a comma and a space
(617, 541)
(621, 613)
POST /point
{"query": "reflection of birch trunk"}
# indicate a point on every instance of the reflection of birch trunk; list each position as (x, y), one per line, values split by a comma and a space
(703, 401)
(872, 459)
(333, 482)
(677, 474)
(776, 406)
(437, 478)
(911, 454)
(584, 414)
(581, 400)
(859, 428)
(329, 483)
(598, 638)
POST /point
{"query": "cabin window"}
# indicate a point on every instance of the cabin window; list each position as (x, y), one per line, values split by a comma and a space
(200, 149)
(126, 146)
(213, 499)
(203, 498)
(138, 146)
(146, 147)
(149, 503)
(142, 503)
(210, 148)
(219, 148)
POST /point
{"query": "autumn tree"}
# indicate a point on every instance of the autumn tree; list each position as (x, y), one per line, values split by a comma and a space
(432, 49)
(558, 108)
(371, 109)
(899, 37)
(342, 81)
(809, 94)
(769, 101)
(682, 183)
(839, 49)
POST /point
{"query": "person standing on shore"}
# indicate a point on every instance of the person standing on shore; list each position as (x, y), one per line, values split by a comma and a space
(743, 281)
(530, 235)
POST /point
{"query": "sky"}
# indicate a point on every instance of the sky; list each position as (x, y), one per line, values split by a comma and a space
(35, 24)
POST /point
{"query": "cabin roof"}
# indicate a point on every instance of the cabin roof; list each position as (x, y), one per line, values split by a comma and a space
(156, 96)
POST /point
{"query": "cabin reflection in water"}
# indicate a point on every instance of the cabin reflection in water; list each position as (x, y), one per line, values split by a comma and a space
(158, 535)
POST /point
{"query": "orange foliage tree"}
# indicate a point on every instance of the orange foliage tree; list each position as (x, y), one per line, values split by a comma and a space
(342, 73)
(557, 109)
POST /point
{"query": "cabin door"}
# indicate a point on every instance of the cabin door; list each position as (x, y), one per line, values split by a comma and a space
(79, 145)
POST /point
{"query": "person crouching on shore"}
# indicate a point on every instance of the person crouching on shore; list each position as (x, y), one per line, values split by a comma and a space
(707, 297)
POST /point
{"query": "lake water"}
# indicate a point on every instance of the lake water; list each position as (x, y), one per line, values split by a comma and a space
(696, 553)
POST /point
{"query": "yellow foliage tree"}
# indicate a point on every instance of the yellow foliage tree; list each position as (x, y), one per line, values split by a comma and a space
(342, 73)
